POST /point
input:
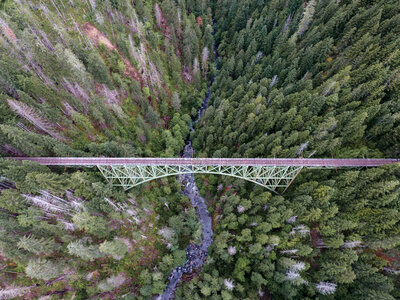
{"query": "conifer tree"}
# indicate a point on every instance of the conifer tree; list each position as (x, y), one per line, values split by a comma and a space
(36, 245)
(115, 248)
(81, 249)
(43, 269)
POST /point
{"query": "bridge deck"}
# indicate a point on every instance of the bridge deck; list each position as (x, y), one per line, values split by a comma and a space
(304, 162)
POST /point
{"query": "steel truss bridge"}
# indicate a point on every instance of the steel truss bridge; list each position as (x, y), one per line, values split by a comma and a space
(271, 173)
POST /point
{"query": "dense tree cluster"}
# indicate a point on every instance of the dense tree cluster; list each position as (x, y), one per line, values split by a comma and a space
(108, 74)
(298, 78)
(122, 78)
(94, 78)
(315, 78)
(329, 234)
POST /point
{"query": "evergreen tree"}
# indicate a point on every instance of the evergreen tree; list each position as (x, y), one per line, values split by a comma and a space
(81, 249)
(98, 69)
(43, 269)
(38, 246)
(115, 248)
(91, 224)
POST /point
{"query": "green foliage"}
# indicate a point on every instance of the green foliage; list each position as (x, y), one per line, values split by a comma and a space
(146, 91)
(98, 69)
(111, 283)
(36, 245)
(291, 79)
(12, 201)
(35, 181)
(81, 249)
(43, 269)
(115, 248)
(91, 224)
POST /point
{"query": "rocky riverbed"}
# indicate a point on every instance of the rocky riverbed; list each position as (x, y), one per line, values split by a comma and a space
(196, 255)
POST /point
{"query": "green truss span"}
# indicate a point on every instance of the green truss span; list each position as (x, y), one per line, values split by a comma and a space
(270, 177)
(270, 173)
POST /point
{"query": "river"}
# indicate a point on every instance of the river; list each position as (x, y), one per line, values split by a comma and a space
(196, 255)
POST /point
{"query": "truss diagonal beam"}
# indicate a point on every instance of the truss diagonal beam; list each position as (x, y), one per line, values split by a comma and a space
(270, 177)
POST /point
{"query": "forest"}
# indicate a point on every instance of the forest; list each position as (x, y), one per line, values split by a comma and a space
(236, 79)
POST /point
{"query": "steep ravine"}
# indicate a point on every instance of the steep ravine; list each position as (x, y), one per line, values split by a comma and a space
(196, 255)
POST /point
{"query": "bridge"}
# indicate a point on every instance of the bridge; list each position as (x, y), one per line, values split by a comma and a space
(271, 173)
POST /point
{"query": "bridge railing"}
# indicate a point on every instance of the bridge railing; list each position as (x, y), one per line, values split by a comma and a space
(303, 162)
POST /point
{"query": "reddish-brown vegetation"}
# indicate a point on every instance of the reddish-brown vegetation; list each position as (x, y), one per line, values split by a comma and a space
(9, 34)
(199, 21)
(391, 257)
(162, 22)
(98, 37)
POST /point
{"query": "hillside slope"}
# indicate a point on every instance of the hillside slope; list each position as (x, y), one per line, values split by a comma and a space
(314, 78)
(305, 77)
(126, 78)
(104, 78)
(95, 78)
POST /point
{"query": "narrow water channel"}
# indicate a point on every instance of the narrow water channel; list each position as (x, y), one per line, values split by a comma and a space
(196, 255)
